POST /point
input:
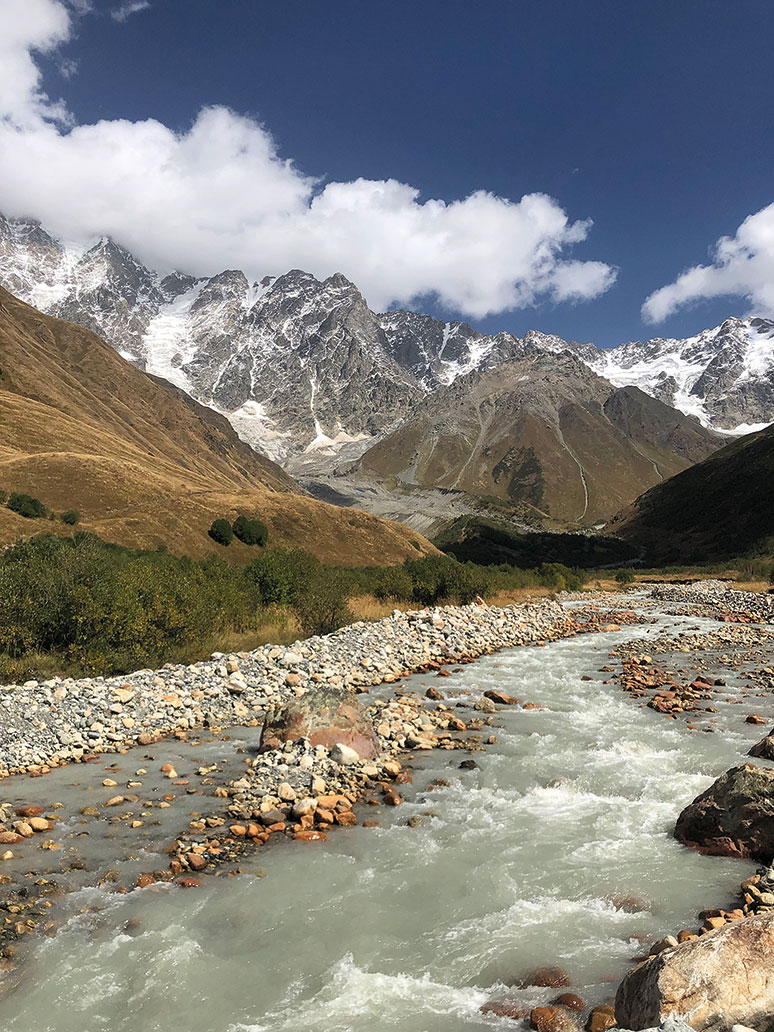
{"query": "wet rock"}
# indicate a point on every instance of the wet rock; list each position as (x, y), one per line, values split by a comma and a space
(552, 977)
(571, 1001)
(716, 981)
(552, 1019)
(326, 716)
(600, 1019)
(505, 1009)
(501, 698)
(764, 749)
(734, 817)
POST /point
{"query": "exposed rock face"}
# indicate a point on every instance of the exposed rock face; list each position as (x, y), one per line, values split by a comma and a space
(722, 979)
(326, 716)
(301, 365)
(724, 375)
(734, 817)
(542, 432)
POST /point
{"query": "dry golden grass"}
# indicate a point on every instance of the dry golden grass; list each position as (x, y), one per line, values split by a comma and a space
(81, 428)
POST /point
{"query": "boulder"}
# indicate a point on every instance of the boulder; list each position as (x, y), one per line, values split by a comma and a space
(764, 749)
(734, 817)
(326, 716)
(716, 981)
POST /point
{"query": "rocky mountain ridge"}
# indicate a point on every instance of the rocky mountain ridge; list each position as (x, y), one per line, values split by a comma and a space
(542, 433)
(303, 369)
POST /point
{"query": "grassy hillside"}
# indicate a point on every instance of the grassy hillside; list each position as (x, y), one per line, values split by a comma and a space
(81, 428)
(720, 508)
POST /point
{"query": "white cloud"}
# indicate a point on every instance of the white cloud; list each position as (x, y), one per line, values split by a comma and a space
(742, 266)
(219, 196)
(125, 11)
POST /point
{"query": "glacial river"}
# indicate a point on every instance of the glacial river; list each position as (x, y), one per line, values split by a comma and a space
(414, 928)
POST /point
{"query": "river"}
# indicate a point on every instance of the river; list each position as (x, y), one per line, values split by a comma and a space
(416, 927)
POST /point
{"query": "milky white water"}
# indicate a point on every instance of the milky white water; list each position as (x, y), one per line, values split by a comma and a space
(415, 928)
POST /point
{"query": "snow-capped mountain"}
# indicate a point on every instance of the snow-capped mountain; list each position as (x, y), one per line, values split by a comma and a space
(301, 365)
(723, 376)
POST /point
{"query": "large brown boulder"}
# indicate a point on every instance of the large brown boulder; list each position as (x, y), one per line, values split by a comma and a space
(764, 749)
(734, 817)
(722, 979)
(326, 716)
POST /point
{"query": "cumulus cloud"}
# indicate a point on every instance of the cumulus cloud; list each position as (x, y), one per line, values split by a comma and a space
(742, 266)
(219, 195)
(125, 11)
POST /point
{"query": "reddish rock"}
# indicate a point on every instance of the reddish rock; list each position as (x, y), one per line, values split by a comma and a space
(552, 977)
(501, 698)
(10, 838)
(570, 1001)
(144, 880)
(189, 883)
(28, 811)
(552, 1019)
(434, 694)
(326, 716)
(755, 718)
(533, 706)
(346, 819)
(391, 796)
(196, 861)
(505, 1009)
(310, 835)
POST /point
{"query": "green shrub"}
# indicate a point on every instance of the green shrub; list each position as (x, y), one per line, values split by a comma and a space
(71, 517)
(27, 506)
(221, 532)
(3, 497)
(279, 575)
(396, 583)
(251, 532)
(321, 602)
(625, 577)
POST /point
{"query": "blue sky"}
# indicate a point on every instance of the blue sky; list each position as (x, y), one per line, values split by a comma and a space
(653, 119)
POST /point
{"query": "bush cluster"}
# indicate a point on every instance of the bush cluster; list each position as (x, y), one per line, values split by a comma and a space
(248, 531)
(27, 506)
(104, 609)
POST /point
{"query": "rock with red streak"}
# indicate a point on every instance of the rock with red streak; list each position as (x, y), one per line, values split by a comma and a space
(144, 880)
(327, 716)
(552, 1019)
(733, 817)
(189, 883)
(501, 698)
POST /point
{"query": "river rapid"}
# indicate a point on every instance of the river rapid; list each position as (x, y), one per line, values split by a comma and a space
(514, 865)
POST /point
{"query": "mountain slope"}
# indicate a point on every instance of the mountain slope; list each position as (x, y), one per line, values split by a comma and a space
(542, 432)
(82, 428)
(304, 370)
(721, 508)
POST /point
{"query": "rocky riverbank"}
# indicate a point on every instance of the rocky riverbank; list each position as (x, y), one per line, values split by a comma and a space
(63, 720)
(719, 600)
